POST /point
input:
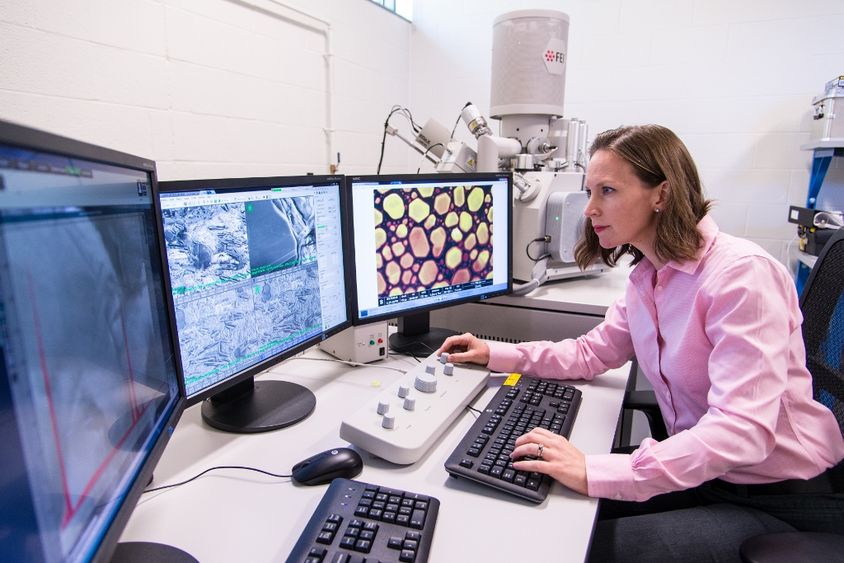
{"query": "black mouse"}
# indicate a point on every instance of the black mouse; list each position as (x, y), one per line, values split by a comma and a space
(323, 467)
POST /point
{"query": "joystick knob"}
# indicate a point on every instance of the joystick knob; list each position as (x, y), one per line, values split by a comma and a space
(383, 407)
(444, 357)
(410, 404)
(448, 369)
(426, 383)
(431, 369)
(404, 391)
(389, 421)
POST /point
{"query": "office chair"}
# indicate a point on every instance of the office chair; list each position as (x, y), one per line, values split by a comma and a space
(822, 304)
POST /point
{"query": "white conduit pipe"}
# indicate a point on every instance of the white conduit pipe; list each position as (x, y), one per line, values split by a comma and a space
(299, 17)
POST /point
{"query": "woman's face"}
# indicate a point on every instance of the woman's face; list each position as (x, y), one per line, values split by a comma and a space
(621, 206)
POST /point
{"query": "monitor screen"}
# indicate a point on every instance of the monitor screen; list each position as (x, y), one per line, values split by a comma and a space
(423, 242)
(89, 390)
(258, 273)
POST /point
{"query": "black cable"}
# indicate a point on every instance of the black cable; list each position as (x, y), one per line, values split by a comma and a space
(424, 154)
(545, 239)
(213, 469)
(393, 110)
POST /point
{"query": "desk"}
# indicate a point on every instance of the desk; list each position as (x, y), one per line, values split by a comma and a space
(235, 515)
(553, 311)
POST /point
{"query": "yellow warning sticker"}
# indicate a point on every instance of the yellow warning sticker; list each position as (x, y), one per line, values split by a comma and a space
(512, 379)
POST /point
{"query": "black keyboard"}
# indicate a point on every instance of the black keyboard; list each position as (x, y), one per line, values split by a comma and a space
(358, 522)
(520, 405)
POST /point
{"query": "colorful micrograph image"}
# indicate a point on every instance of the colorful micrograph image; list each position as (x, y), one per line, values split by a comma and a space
(432, 237)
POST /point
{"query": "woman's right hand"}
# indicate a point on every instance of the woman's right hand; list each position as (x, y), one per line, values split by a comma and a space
(465, 348)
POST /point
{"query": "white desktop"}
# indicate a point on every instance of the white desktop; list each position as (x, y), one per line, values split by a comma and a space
(240, 515)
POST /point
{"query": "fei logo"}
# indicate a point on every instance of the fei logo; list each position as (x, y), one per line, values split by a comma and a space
(554, 56)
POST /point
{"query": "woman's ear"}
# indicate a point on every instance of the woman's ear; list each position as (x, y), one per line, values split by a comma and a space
(661, 195)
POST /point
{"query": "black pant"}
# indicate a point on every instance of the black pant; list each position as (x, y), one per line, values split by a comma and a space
(707, 523)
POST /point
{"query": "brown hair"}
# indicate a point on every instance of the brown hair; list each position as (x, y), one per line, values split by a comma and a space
(657, 155)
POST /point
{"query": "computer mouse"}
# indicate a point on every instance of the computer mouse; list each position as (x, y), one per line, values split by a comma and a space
(330, 464)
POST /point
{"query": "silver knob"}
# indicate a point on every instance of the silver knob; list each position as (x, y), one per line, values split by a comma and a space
(404, 391)
(448, 369)
(425, 383)
(383, 407)
(388, 421)
(431, 369)
(410, 404)
(444, 357)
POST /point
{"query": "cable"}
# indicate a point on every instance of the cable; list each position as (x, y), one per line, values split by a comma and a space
(216, 467)
(545, 239)
(350, 363)
(413, 125)
(424, 154)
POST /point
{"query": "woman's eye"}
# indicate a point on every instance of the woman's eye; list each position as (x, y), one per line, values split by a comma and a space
(606, 190)
(588, 193)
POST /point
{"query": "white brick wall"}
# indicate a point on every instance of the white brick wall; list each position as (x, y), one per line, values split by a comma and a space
(733, 78)
(207, 88)
(216, 88)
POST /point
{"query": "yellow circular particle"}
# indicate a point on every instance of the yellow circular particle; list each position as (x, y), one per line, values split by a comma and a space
(441, 203)
(465, 222)
(459, 196)
(483, 233)
(475, 199)
(401, 231)
(451, 219)
(419, 210)
(453, 257)
(380, 237)
(394, 205)
(456, 235)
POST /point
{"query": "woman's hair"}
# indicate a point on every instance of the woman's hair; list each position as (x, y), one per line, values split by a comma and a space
(656, 155)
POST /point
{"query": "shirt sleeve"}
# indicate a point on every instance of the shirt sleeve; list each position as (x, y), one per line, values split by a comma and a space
(749, 319)
(606, 346)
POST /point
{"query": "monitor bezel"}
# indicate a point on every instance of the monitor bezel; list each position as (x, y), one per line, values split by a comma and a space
(38, 140)
(178, 186)
(357, 320)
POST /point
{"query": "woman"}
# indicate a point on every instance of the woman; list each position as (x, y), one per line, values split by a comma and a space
(715, 325)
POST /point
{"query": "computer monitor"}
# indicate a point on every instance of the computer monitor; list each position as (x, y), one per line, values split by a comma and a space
(89, 389)
(258, 272)
(423, 242)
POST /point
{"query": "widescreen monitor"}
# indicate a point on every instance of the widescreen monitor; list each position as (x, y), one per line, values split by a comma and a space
(258, 272)
(422, 242)
(89, 389)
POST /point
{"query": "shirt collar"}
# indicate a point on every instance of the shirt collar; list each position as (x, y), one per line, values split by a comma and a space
(708, 230)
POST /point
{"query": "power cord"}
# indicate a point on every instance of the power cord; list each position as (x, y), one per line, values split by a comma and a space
(215, 468)
(405, 112)
(546, 239)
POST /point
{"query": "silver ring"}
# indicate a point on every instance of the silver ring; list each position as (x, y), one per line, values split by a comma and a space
(539, 449)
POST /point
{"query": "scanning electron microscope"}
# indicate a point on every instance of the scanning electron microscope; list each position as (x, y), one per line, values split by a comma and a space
(545, 151)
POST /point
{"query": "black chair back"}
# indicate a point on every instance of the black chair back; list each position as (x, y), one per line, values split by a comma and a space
(822, 304)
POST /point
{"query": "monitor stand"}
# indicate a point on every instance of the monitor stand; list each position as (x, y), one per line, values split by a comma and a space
(143, 552)
(260, 406)
(415, 337)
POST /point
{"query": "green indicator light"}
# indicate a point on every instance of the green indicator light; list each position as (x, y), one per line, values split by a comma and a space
(249, 208)
(276, 189)
(556, 218)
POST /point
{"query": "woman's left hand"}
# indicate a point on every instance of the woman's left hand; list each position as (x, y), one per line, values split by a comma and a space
(555, 457)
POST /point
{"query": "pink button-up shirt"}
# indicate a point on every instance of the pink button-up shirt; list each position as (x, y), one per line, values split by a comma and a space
(719, 338)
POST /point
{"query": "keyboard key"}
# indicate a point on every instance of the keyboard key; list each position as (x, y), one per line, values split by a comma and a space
(364, 538)
(514, 411)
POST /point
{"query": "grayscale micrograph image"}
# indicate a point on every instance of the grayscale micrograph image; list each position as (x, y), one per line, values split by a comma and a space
(244, 280)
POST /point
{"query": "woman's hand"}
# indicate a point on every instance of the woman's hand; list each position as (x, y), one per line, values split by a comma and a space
(465, 348)
(555, 457)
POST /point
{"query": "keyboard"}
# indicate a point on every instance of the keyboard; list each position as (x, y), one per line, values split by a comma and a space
(358, 521)
(404, 421)
(521, 404)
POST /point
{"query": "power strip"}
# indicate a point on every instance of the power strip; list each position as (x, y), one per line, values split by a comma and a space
(406, 419)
